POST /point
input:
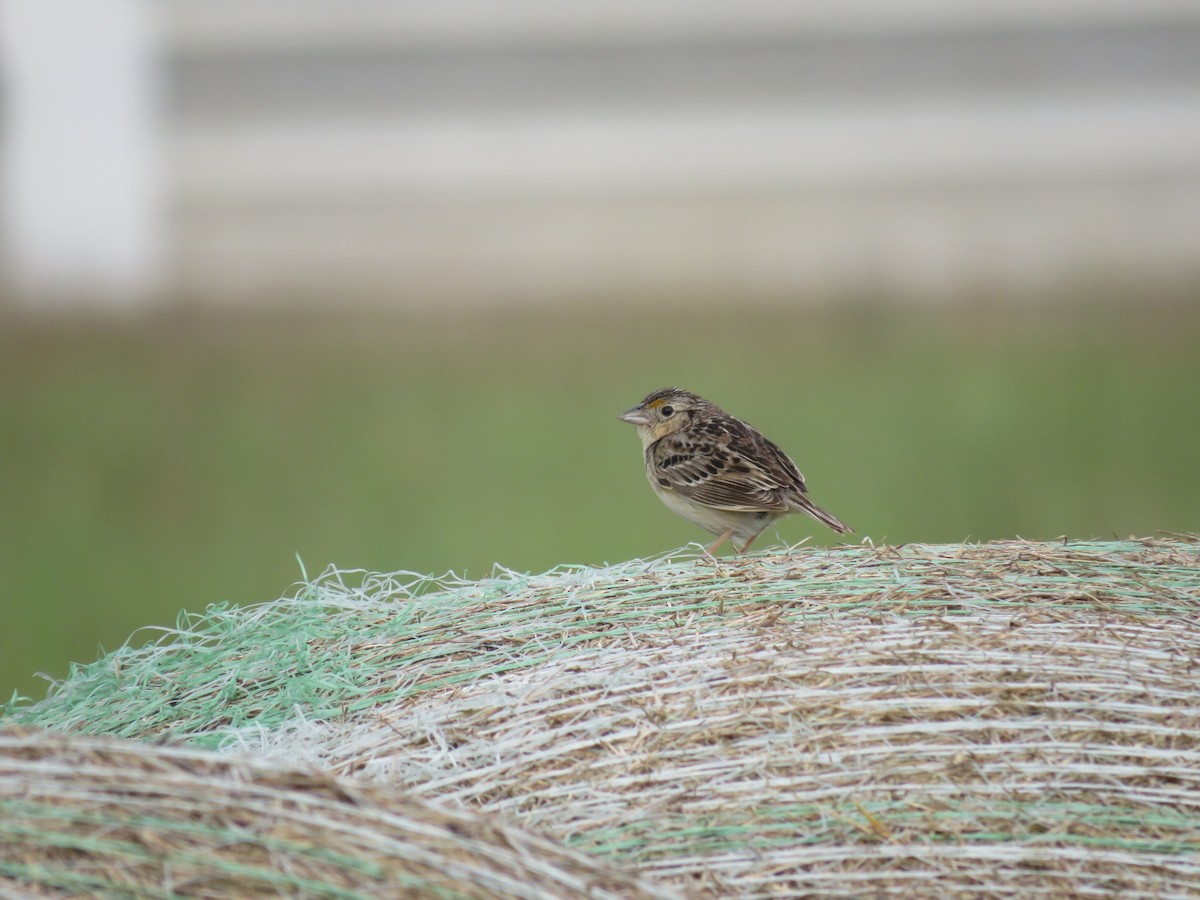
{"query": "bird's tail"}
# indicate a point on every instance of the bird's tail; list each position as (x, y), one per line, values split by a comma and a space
(806, 505)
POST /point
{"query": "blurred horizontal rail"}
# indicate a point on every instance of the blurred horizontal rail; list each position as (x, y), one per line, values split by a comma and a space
(417, 152)
(407, 153)
(997, 142)
(224, 26)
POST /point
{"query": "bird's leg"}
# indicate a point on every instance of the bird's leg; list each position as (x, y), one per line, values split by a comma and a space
(750, 540)
(711, 549)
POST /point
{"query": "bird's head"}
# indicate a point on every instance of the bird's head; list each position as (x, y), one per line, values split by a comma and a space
(663, 412)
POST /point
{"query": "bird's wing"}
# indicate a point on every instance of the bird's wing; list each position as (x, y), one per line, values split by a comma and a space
(726, 465)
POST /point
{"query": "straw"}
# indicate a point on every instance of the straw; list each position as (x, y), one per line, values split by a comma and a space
(1006, 719)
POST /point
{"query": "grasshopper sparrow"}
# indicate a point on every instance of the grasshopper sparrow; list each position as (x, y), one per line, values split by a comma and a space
(716, 471)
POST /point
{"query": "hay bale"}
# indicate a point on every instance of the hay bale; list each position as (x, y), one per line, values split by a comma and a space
(88, 816)
(1009, 719)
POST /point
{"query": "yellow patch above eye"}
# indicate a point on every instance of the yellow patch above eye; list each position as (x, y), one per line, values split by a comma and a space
(655, 404)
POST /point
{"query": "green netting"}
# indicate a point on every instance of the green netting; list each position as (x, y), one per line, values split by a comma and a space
(93, 817)
(1006, 719)
(352, 639)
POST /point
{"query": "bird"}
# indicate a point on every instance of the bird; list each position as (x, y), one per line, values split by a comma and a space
(717, 471)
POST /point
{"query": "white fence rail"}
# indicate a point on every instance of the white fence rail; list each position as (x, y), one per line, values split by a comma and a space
(429, 152)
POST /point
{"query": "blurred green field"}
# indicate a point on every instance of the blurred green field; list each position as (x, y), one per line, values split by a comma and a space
(152, 467)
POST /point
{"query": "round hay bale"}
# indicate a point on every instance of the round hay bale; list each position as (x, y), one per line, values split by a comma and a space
(1011, 719)
(88, 816)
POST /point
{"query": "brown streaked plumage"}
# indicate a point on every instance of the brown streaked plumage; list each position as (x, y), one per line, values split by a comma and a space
(716, 471)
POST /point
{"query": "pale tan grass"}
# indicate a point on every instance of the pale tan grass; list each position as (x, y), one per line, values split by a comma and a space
(1013, 719)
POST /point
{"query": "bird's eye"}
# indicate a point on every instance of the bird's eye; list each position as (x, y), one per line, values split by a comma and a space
(668, 411)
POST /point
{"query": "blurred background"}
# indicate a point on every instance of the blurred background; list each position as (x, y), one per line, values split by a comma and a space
(367, 282)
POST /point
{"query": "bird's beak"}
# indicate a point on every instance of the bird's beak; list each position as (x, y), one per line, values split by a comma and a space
(635, 416)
